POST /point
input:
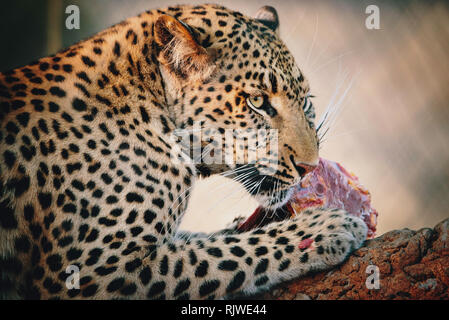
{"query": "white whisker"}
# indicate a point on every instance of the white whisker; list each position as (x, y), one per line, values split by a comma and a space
(313, 40)
(331, 60)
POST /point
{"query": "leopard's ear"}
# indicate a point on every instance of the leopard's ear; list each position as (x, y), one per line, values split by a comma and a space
(269, 17)
(179, 52)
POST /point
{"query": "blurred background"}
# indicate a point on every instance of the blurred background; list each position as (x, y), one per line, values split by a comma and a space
(392, 128)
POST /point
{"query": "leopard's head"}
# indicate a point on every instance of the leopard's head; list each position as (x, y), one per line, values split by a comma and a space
(228, 75)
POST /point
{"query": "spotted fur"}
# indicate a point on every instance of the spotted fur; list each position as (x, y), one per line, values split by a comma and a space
(86, 177)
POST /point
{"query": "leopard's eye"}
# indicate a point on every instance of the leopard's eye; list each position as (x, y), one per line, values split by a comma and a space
(261, 105)
(307, 103)
(255, 102)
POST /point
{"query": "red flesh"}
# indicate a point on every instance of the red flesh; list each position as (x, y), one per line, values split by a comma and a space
(329, 186)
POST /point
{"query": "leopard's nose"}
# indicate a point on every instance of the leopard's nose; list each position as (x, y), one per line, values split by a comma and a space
(302, 167)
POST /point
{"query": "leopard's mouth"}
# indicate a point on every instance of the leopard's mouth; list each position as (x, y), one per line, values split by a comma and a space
(262, 216)
(269, 189)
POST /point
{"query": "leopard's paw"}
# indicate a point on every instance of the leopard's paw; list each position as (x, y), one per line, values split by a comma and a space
(332, 236)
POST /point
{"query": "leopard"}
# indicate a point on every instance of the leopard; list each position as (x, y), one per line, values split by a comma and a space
(92, 188)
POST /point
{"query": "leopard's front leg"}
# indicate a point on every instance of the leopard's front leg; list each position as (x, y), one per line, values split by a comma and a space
(253, 261)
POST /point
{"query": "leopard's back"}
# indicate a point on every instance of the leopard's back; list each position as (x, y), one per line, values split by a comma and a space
(88, 180)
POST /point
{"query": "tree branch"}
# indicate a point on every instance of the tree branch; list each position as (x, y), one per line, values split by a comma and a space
(411, 265)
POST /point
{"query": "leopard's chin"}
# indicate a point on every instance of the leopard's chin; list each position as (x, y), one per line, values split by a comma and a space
(274, 201)
(272, 207)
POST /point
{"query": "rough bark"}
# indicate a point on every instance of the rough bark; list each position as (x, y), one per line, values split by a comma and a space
(412, 265)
